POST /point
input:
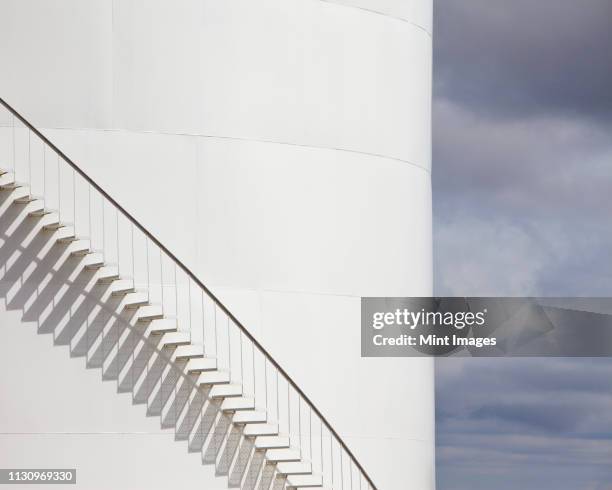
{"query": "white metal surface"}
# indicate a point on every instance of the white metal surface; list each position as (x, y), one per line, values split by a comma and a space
(282, 149)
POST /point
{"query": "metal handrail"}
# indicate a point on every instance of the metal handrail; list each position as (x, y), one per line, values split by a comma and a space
(192, 276)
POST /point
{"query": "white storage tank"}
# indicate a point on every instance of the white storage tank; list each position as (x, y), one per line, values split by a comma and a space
(282, 150)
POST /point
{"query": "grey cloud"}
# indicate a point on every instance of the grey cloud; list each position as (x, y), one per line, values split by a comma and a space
(488, 257)
(524, 423)
(524, 461)
(522, 198)
(572, 396)
(532, 376)
(525, 57)
(535, 165)
(521, 206)
(496, 452)
(522, 172)
(546, 416)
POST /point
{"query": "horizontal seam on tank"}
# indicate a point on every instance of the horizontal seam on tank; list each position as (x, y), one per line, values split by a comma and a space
(254, 140)
(125, 433)
(221, 287)
(378, 12)
(285, 291)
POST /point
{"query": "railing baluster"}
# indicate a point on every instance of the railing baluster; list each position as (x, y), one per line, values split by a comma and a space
(59, 192)
(203, 325)
(277, 402)
(117, 237)
(89, 233)
(265, 384)
(133, 256)
(161, 278)
(189, 300)
(148, 270)
(74, 220)
(254, 374)
(44, 193)
(310, 431)
(103, 229)
(289, 412)
(229, 347)
(13, 148)
(331, 452)
(30, 162)
(176, 304)
(341, 469)
(216, 336)
(300, 424)
(241, 360)
(321, 441)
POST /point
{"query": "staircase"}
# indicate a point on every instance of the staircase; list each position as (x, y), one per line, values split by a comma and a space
(80, 266)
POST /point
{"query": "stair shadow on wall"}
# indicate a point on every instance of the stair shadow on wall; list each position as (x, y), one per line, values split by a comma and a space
(53, 289)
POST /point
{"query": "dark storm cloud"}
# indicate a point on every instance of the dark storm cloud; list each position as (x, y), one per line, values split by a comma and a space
(536, 164)
(526, 56)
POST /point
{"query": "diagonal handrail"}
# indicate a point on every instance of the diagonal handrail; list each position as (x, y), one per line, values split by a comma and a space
(195, 279)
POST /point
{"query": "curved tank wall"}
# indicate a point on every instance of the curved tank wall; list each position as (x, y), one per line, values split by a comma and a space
(282, 149)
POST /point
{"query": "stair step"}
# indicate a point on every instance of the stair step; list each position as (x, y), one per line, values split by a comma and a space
(192, 352)
(238, 404)
(306, 481)
(69, 238)
(149, 313)
(94, 262)
(225, 391)
(158, 326)
(7, 177)
(250, 417)
(135, 300)
(284, 456)
(125, 290)
(294, 468)
(82, 252)
(255, 430)
(175, 339)
(11, 185)
(80, 248)
(214, 378)
(108, 274)
(26, 199)
(55, 225)
(272, 442)
(122, 287)
(201, 365)
(66, 234)
(39, 213)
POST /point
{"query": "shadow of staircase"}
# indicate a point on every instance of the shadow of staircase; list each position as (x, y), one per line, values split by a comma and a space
(54, 289)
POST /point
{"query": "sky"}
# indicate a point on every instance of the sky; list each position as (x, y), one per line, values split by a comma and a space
(522, 183)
